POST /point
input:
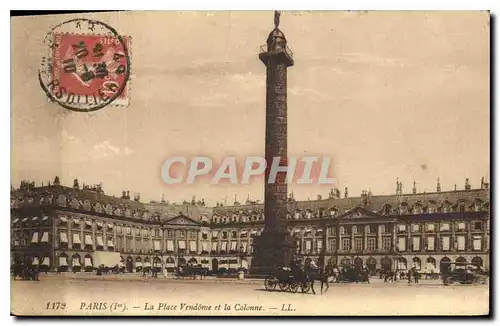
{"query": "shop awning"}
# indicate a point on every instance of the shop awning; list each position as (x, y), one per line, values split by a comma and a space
(45, 218)
(156, 245)
(147, 264)
(99, 224)
(45, 237)
(76, 238)
(88, 262)
(64, 237)
(182, 244)
(170, 245)
(88, 240)
(138, 264)
(110, 243)
(63, 219)
(243, 234)
(253, 232)
(36, 261)
(121, 264)
(88, 223)
(76, 261)
(214, 246)
(46, 261)
(34, 238)
(34, 218)
(76, 221)
(15, 221)
(63, 261)
(100, 242)
(192, 246)
(24, 219)
(110, 226)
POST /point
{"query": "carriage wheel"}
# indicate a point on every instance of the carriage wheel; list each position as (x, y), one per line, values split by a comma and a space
(305, 287)
(293, 287)
(283, 286)
(269, 284)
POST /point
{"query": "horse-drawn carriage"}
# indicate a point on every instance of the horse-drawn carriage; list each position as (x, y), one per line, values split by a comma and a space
(25, 272)
(190, 272)
(350, 274)
(290, 281)
(468, 274)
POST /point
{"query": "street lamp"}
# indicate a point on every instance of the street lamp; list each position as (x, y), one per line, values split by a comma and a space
(242, 255)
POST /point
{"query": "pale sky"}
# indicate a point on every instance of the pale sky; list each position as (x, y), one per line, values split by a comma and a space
(384, 94)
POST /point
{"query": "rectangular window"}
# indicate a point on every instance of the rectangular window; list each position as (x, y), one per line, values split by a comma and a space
(332, 245)
(416, 243)
(402, 228)
(402, 244)
(478, 226)
(461, 226)
(445, 243)
(319, 245)
(382, 228)
(476, 243)
(358, 244)
(331, 231)
(415, 228)
(445, 227)
(346, 244)
(372, 244)
(430, 227)
(308, 246)
(461, 243)
(387, 243)
(430, 243)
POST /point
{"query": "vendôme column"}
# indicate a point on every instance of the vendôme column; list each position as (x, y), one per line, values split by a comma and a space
(275, 247)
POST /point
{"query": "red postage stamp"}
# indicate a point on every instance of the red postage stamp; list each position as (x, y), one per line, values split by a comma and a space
(90, 67)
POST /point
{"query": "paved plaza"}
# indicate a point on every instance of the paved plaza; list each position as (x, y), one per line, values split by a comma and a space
(135, 295)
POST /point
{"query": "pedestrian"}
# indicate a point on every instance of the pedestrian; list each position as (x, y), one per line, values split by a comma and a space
(409, 275)
(415, 274)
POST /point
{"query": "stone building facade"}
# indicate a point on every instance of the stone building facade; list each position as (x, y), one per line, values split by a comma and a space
(61, 228)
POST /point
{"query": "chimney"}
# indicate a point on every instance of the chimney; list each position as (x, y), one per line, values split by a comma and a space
(482, 183)
(467, 184)
(124, 195)
(438, 187)
(346, 193)
(56, 181)
(128, 194)
(75, 184)
(414, 190)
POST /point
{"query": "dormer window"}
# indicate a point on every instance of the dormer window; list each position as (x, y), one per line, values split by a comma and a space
(355, 229)
(342, 230)
(444, 227)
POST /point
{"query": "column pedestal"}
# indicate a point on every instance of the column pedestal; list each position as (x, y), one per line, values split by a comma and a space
(271, 250)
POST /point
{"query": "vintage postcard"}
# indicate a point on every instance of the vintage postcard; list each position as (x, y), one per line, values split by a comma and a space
(250, 163)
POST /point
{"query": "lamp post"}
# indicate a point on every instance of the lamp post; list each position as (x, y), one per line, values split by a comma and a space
(242, 255)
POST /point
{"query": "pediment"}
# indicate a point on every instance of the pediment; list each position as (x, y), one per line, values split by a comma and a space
(359, 213)
(182, 220)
